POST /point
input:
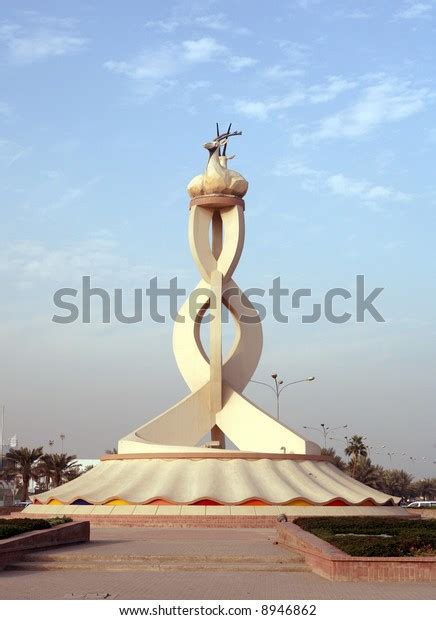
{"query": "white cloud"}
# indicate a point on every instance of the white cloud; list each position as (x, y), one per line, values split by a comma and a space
(334, 87)
(219, 22)
(203, 50)
(339, 184)
(152, 71)
(386, 101)
(197, 84)
(306, 4)
(253, 109)
(155, 69)
(11, 152)
(296, 53)
(43, 45)
(237, 63)
(318, 93)
(30, 262)
(294, 168)
(310, 179)
(157, 64)
(356, 14)
(161, 25)
(384, 160)
(48, 20)
(5, 110)
(262, 109)
(279, 72)
(216, 21)
(42, 38)
(69, 196)
(415, 10)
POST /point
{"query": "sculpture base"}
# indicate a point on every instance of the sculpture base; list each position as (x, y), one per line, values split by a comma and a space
(193, 479)
(216, 201)
(180, 516)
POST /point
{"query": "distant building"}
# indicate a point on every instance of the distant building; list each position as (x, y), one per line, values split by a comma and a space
(4, 449)
(6, 494)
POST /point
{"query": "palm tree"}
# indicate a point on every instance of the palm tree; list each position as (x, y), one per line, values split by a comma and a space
(369, 474)
(60, 466)
(25, 460)
(425, 488)
(44, 469)
(355, 450)
(338, 461)
(39, 475)
(8, 474)
(398, 482)
(72, 474)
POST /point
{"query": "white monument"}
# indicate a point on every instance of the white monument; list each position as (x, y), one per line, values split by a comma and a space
(162, 462)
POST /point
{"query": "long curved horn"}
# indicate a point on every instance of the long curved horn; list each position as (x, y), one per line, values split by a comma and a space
(225, 146)
(228, 135)
(217, 137)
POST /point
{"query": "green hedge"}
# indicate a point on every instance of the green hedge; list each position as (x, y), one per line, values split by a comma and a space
(13, 527)
(406, 537)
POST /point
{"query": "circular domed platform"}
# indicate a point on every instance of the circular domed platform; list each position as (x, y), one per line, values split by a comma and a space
(224, 479)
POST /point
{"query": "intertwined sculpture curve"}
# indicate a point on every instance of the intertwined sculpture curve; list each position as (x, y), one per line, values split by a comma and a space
(216, 403)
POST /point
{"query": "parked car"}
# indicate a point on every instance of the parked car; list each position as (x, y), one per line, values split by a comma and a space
(422, 504)
(23, 504)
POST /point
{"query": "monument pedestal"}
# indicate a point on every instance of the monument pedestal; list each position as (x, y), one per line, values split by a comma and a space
(228, 478)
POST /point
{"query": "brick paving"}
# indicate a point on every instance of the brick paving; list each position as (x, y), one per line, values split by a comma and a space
(203, 585)
(189, 542)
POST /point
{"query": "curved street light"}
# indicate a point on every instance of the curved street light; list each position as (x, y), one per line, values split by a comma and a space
(390, 455)
(326, 430)
(278, 387)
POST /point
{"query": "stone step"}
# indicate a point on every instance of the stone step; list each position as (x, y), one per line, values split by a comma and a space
(75, 558)
(125, 566)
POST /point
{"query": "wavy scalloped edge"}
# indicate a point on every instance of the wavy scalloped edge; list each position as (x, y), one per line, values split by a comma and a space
(154, 500)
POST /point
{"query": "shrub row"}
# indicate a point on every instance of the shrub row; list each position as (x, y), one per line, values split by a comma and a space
(13, 527)
(406, 537)
(365, 525)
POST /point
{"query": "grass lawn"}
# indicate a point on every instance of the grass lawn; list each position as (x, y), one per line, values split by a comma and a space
(13, 527)
(375, 536)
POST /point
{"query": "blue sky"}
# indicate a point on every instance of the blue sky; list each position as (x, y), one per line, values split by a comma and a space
(103, 111)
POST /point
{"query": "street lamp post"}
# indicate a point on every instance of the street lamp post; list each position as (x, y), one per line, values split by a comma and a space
(325, 430)
(278, 388)
(62, 436)
(2, 425)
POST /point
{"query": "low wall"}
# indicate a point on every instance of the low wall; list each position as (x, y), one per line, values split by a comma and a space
(332, 563)
(201, 516)
(7, 510)
(424, 513)
(171, 521)
(15, 547)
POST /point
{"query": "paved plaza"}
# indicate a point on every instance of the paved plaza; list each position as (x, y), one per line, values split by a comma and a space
(203, 564)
